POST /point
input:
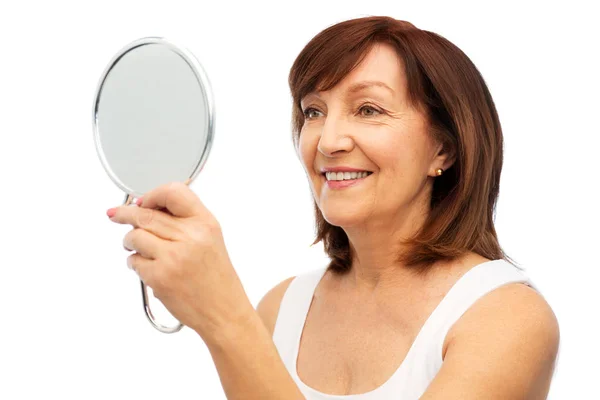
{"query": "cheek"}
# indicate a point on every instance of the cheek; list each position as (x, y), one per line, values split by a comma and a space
(304, 154)
(388, 153)
(306, 150)
(398, 161)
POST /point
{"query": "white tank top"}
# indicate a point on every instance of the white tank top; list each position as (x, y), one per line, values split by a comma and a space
(424, 357)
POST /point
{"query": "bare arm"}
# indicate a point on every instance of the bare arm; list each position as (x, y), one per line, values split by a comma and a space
(246, 358)
(504, 348)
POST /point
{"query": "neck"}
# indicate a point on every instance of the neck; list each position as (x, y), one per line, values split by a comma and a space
(375, 247)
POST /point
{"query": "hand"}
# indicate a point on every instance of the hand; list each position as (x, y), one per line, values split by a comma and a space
(181, 255)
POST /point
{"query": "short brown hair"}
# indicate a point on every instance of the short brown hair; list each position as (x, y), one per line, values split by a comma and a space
(448, 88)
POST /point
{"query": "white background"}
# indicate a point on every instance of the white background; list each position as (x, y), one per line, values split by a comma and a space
(72, 325)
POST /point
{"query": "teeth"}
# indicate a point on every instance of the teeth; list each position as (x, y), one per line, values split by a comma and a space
(339, 176)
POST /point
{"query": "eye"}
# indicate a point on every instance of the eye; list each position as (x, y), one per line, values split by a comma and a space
(308, 113)
(368, 111)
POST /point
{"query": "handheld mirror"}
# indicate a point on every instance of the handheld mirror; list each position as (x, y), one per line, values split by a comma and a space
(153, 122)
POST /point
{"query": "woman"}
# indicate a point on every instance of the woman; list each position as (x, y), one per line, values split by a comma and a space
(410, 110)
(402, 147)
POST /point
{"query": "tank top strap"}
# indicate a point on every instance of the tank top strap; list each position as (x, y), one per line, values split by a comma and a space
(470, 287)
(293, 309)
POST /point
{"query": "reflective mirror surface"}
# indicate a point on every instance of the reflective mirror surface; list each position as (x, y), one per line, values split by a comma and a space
(153, 116)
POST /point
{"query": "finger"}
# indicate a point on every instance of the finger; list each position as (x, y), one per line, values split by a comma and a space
(157, 222)
(144, 242)
(141, 266)
(177, 198)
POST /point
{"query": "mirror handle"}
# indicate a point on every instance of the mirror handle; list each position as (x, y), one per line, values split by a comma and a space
(160, 327)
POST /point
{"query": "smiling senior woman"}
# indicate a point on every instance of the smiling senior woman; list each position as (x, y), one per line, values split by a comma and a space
(402, 147)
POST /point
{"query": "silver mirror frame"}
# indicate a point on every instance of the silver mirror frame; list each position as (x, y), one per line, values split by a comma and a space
(131, 195)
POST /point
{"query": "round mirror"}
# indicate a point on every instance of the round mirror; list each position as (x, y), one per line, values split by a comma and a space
(153, 122)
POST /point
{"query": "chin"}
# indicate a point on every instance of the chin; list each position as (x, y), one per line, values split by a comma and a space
(342, 216)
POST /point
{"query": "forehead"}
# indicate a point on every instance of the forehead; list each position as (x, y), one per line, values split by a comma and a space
(381, 71)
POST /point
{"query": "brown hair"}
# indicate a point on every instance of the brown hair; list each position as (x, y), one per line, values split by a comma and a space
(448, 88)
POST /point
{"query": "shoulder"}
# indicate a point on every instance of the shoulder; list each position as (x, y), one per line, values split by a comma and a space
(506, 343)
(268, 307)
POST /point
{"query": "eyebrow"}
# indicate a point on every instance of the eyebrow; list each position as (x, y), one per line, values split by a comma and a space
(360, 86)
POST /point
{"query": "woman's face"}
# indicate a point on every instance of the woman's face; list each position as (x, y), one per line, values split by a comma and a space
(365, 123)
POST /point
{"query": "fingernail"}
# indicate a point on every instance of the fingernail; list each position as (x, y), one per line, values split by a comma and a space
(139, 201)
(111, 212)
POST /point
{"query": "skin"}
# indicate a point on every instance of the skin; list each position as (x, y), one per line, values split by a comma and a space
(374, 129)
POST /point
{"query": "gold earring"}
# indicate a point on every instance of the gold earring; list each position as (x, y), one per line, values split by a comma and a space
(439, 171)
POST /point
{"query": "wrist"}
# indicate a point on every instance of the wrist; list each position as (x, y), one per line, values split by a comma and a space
(233, 330)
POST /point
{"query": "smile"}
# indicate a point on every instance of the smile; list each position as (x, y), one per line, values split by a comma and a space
(338, 176)
(341, 180)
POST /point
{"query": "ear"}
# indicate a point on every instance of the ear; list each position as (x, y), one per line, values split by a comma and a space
(445, 156)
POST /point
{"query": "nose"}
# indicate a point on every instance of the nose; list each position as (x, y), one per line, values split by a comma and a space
(334, 137)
